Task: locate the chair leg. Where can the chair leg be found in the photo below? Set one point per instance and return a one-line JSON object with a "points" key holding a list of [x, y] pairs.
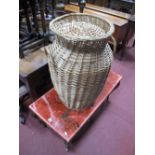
{"points": [[25, 5], [33, 4], [22, 118], [41, 4]]}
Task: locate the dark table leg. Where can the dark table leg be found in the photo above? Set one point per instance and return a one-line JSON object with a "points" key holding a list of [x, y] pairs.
{"points": [[44, 124], [67, 146], [107, 99], [117, 86], [21, 54]]}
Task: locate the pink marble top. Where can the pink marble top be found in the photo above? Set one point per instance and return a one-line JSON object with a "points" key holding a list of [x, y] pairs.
{"points": [[63, 121]]}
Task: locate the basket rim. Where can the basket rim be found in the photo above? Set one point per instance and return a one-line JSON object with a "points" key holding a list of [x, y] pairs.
{"points": [[105, 36]]}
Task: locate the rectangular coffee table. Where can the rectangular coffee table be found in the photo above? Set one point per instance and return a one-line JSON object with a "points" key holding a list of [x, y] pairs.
{"points": [[65, 122]]}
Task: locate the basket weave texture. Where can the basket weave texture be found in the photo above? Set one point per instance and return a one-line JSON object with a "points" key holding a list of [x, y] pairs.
{"points": [[79, 58]]}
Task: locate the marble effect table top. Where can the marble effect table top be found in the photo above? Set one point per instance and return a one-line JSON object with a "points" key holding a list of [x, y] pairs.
{"points": [[66, 122]]}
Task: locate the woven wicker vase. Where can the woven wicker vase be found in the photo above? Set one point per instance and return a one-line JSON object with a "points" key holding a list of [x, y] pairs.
{"points": [[79, 62]]}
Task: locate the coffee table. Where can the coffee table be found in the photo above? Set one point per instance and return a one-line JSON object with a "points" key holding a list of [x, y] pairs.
{"points": [[65, 122]]}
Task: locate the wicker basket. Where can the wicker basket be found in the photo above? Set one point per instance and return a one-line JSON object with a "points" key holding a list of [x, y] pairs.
{"points": [[79, 58]]}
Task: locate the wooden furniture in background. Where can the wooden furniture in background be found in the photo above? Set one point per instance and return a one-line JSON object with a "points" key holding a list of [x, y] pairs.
{"points": [[101, 2], [122, 5], [34, 73], [114, 17], [106, 10], [128, 35], [35, 12]]}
